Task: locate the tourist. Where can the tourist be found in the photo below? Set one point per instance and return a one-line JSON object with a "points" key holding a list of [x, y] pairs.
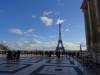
{"points": [[58, 54], [9, 55], [18, 55]]}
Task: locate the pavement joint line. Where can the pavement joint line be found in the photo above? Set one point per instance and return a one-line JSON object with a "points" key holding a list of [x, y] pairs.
{"points": [[16, 70]]}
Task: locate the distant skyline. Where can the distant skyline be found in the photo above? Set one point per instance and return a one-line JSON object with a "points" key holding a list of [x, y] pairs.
{"points": [[32, 24]]}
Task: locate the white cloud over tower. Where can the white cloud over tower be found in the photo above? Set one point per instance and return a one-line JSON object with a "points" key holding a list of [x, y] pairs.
{"points": [[46, 20]]}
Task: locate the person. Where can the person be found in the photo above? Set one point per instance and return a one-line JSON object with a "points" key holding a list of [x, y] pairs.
{"points": [[18, 55], [50, 53], [9, 55], [58, 54], [14, 55]]}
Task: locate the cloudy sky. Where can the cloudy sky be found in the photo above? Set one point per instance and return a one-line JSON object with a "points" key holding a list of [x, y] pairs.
{"points": [[33, 24]]}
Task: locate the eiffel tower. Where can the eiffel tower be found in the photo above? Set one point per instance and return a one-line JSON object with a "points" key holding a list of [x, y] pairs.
{"points": [[60, 48]]}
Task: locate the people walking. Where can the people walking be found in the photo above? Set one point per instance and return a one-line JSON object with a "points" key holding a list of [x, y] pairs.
{"points": [[18, 55], [13, 55]]}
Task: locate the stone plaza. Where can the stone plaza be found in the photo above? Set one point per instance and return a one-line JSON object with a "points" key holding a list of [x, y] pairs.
{"points": [[43, 65]]}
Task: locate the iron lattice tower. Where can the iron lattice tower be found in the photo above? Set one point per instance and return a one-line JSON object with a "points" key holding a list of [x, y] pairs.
{"points": [[60, 47]]}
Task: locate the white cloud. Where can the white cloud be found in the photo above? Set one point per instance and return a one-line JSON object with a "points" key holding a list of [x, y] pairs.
{"points": [[67, 30], [36, 41], [71, 46], [46, 13], [4, 41], [59, 21], [74, 46], [33, 16], [83, 44], [28, 31], [46, 20], [20, 32], [16, 31], [46, 45], [25, 45]]}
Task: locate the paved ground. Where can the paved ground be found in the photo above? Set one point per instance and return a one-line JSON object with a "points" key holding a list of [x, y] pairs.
{"points": [[36, 65]]}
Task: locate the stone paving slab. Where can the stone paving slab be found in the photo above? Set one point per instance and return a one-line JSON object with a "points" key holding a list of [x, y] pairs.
{"points": [[54, 70], [58, 67], [11, 67], [42, 66], [58, 62]]}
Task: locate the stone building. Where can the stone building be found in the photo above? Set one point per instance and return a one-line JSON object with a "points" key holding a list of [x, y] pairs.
{"points": [[91, 10]]}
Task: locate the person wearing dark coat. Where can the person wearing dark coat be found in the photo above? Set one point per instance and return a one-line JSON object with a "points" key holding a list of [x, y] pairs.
{"points": [[17, 55], [9, 55]]}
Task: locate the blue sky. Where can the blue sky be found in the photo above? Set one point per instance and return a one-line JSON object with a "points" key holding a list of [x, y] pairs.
{"points": [[34, 22]]}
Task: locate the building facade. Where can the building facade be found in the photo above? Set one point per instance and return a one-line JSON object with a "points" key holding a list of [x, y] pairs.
{"points": [[91, 10]]}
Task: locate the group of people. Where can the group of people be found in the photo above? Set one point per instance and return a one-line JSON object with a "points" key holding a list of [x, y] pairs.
{"points": [[13, 55], [58, 53]]}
